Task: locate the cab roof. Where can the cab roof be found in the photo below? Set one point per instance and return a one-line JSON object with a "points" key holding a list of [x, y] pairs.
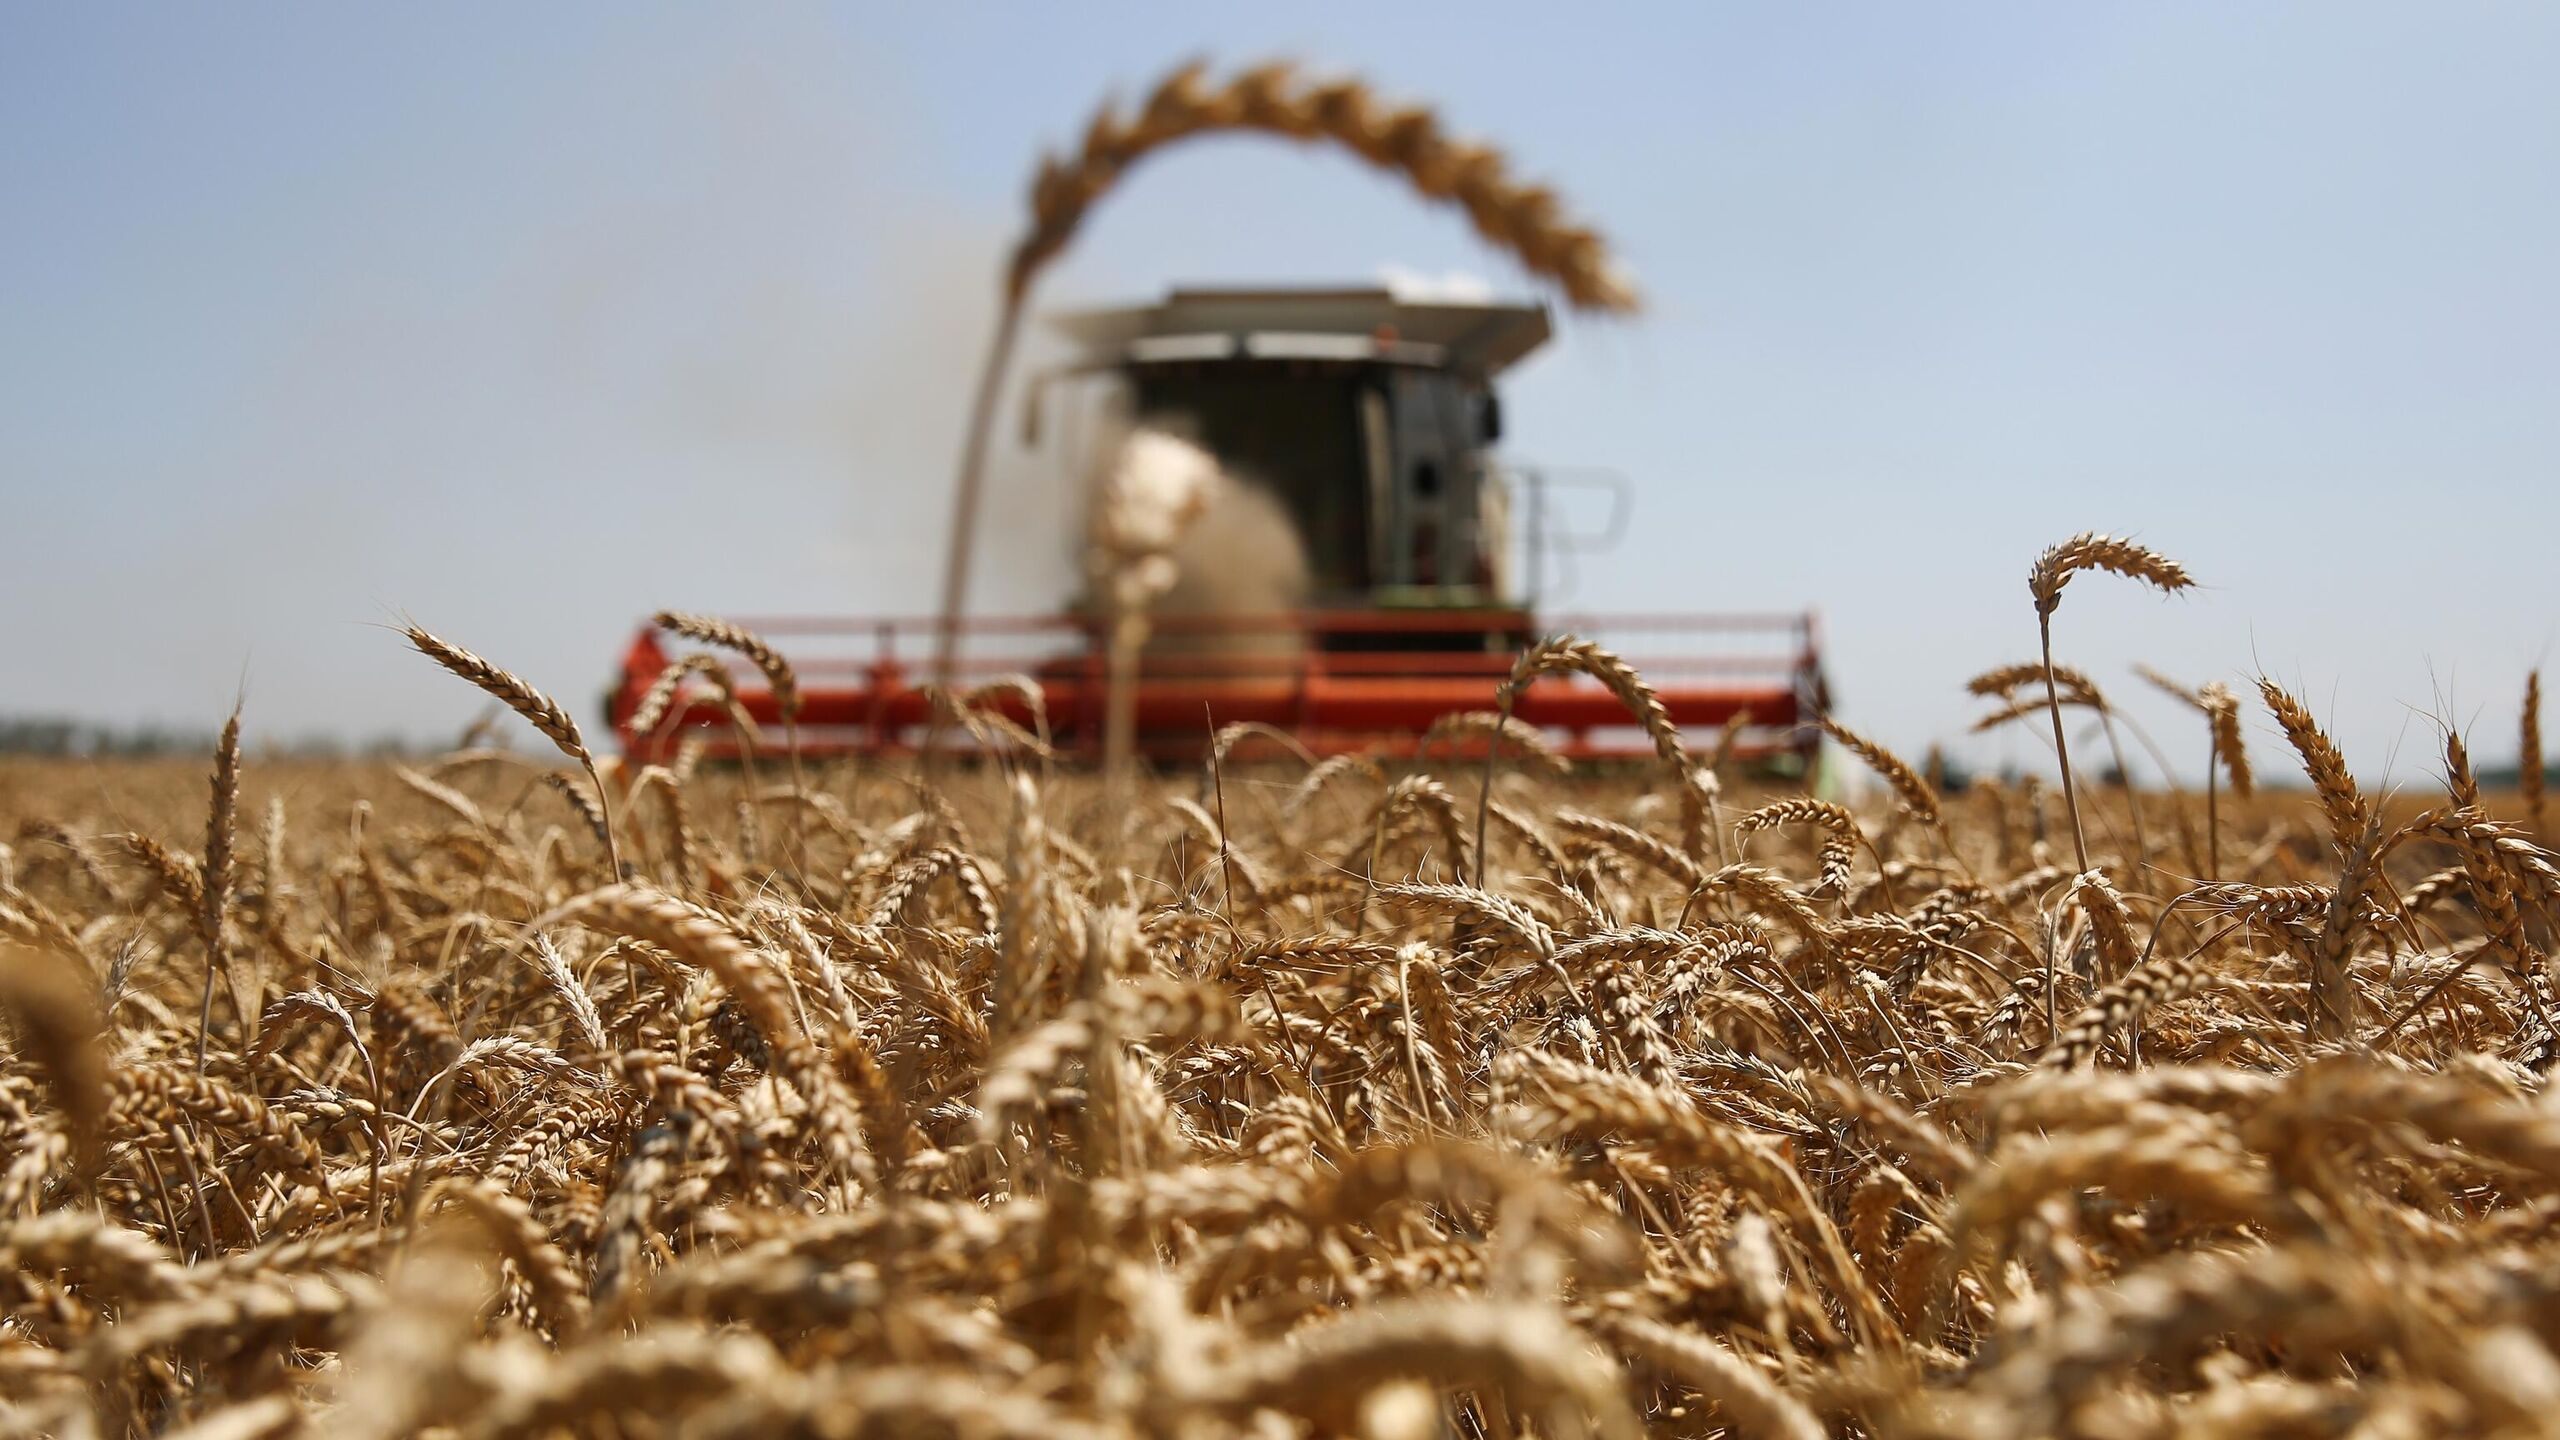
{"points": [[1341, 324]]}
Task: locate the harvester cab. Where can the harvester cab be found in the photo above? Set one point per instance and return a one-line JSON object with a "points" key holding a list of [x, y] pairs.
{"points": [[1368, 417], [1364, 422]]}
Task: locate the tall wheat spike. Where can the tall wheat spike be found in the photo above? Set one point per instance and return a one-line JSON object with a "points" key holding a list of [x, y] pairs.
{"points": [[216, 869], [2529, 773], [2053, 570]]}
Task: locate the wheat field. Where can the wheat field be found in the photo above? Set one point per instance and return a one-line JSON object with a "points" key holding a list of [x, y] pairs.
{"points": [[519, 1094], [1484, 1099]]}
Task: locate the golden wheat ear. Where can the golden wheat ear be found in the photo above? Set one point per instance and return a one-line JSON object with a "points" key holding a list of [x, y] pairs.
{"points": [[2091, 551], [536, 708], [2529, 752], [215, 904], [1273, 99], [55, 1025], [1908, 787], [2340, 799], [728, 636], [778, 675]]}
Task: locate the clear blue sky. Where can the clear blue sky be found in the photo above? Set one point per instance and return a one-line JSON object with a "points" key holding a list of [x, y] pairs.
{"points": [[528, 320]]}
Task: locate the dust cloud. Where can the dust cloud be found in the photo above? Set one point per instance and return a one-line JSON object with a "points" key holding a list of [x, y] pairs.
{"points": [[1237, 557]]}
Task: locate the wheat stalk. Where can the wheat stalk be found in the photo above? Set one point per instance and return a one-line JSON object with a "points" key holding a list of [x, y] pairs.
{"points": [[2053, 570]]}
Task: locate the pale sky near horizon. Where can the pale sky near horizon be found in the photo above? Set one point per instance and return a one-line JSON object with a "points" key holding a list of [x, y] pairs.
{"points": [[526, 321]]}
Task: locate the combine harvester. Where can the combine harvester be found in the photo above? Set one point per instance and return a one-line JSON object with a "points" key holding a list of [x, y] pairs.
{"points": [[1368, 420]]}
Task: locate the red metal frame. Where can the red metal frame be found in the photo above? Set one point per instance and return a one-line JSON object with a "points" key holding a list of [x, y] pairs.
{"points": [[1302, 672]]}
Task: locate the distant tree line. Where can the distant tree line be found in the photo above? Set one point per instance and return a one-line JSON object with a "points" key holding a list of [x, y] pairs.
{"points": [[55, 737]]}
